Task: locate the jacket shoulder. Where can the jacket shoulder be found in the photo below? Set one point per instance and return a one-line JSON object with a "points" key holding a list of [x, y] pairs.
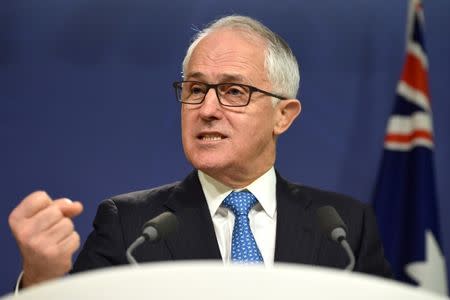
{"points": [[313, 197], [156, 196]]}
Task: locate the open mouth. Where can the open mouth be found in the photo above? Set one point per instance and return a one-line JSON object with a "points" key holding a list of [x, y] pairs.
{"points": [[209, 137]]}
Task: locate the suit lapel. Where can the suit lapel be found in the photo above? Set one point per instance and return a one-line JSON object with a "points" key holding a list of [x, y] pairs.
{"points": [[195, 237], [296, 239]]}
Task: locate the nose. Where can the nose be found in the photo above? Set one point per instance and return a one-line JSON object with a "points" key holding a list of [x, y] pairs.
{"points": [[210, 107]]}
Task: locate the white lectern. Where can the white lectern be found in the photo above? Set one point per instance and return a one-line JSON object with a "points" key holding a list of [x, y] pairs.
{"points": [[212, 281]]}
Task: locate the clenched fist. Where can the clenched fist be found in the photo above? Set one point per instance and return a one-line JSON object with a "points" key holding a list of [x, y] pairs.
{"points": [[45, 234]]}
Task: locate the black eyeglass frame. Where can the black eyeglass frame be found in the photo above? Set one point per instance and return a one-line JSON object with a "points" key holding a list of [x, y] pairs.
{"points": [[177, 86]]}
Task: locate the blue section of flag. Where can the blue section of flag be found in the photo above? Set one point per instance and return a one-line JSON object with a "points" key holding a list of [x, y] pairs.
{"points": [[405, 204], [417, 34], [404, 107]]}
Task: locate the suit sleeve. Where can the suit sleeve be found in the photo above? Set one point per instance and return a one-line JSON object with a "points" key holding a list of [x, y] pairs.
{"points": [[105, 245], [369, 253]]}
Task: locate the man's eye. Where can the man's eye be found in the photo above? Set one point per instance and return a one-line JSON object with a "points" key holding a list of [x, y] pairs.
{"points": [[197, 90], [235, 91]]}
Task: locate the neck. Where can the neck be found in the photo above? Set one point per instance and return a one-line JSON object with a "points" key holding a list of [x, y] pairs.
{"points": [[236, 180]]}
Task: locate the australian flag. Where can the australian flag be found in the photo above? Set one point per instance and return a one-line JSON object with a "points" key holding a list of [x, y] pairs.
{"points": [[405, 196]]}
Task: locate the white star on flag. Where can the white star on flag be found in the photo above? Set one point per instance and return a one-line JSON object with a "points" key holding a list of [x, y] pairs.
{"points": [[431, 273]]}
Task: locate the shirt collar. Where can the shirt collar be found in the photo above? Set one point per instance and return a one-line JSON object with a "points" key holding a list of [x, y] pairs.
{"points": [[264, 189]]}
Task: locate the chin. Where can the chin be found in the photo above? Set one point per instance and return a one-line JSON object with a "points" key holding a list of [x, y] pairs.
{"points": [[209, 165]]}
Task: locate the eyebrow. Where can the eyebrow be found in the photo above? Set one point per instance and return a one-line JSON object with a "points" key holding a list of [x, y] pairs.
{"points": [[237, 78]]}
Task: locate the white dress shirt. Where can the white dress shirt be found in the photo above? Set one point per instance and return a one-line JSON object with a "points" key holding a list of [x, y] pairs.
{"points": [[263, 216]]}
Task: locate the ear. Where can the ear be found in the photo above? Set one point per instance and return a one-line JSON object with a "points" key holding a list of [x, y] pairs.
{"points": [[286, 112]]}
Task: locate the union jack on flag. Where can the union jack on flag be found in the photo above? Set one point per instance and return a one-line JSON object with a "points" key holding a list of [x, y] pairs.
{"points": [[405, 197]]}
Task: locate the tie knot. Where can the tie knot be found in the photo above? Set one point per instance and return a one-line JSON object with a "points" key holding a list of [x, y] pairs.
{"points": [[240, 203]]}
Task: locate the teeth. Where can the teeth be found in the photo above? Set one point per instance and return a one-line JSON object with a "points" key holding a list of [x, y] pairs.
{"points": [[211, 138]]}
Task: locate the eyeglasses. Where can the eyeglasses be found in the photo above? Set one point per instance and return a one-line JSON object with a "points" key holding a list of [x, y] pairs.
{"points": [[229, 94]]}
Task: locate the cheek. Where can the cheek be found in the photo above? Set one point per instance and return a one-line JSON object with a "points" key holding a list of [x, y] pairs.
{"points": [[185, 129], [185, 121], [261, 123], [256, 132]]}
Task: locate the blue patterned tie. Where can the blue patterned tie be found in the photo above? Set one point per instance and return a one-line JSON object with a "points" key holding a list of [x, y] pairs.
{"points": [[243, 244]]}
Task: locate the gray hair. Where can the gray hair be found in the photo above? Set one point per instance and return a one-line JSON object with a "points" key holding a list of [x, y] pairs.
{"points": [[280, 63]]}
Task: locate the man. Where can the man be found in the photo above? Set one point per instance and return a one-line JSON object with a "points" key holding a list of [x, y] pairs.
{"points": [[240, 82]]}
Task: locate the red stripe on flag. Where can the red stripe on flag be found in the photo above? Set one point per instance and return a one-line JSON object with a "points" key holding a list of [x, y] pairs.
{"points": [[415, 75], [407, 138]]}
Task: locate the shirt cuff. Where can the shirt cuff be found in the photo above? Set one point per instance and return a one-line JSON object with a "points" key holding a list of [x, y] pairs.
{"points": [[19, 280]]}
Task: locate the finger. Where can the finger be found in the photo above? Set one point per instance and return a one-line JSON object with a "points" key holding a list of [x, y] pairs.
{"points": [[42, 221], [31, 205], [46, 218], [68, 208], [70, 244], [59, 231]]}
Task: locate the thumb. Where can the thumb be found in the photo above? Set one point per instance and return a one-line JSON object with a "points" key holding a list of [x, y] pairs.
{"points": [[68, 208]]}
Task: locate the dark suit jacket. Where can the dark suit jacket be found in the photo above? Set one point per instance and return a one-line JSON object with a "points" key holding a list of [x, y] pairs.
{"points": [[119, 222]]}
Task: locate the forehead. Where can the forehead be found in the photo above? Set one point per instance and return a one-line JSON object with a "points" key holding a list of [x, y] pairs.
{"points": [[228, 53]]}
